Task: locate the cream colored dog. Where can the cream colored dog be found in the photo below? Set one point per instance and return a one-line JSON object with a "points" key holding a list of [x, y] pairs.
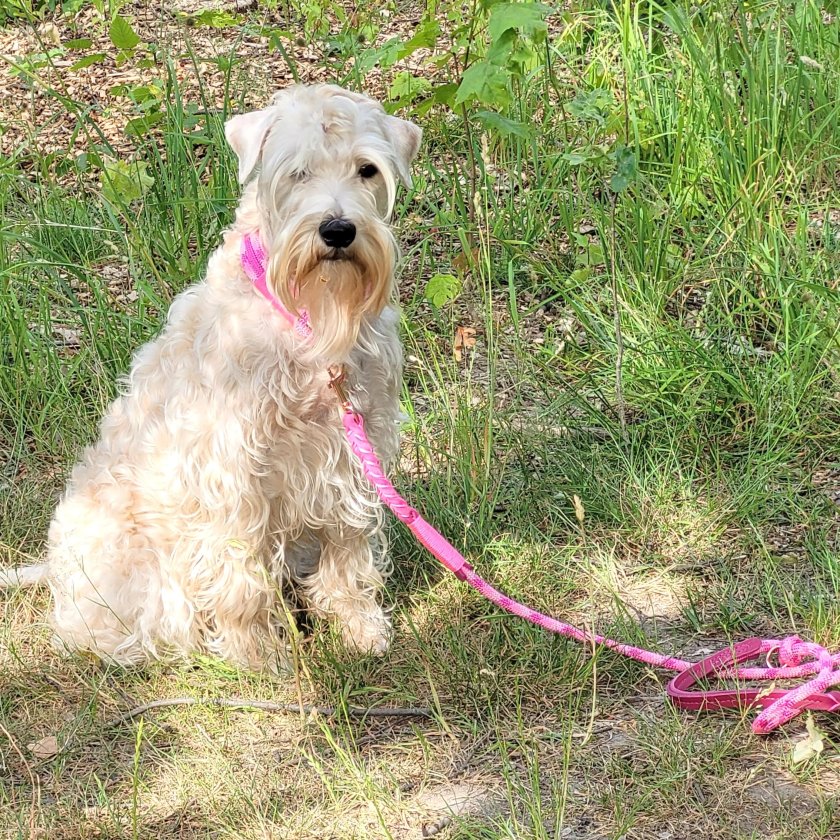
{"points": [[221, 474]]}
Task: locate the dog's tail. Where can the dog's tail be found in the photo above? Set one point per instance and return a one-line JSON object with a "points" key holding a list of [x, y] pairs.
{"points": [[23, 576]]}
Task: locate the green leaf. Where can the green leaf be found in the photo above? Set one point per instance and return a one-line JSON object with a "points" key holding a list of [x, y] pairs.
{"points": [[225, 63], [215, 18], [94, 159], [28, 65], [523, 56], [441, 95], [144, 94], [442, 289], [123, 37], [70, 8], [502, 125], [141, 125], [500, 50], [124, 182], [525, 18], [445, 94], [575, 158], [425, 37], [592, 104], [407, 86], [592, 252], [626, 168], [78, 43], [485, 83], [384, 56], [93, 58]]}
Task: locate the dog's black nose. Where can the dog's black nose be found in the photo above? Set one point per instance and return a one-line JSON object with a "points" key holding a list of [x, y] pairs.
{"points": [[337, 233]]}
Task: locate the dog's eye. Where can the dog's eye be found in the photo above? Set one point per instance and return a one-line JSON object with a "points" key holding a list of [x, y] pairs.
{"points": [[368, 170], [302, 175]]}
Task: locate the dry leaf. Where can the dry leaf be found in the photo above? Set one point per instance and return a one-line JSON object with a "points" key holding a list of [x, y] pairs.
{"points": [[464, 340], [811, 744], [45, 748], [464, 261], [580, 512], [67, 337], [50, 33]]}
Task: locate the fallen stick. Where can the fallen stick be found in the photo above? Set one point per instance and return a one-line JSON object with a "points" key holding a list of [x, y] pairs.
{"points": [[268, 706]]}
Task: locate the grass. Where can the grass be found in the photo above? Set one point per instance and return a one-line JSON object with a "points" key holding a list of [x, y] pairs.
{"points": [[681, 505]]}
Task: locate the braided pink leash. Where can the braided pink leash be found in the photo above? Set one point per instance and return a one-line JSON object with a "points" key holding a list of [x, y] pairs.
{"points": [[796, 658]]}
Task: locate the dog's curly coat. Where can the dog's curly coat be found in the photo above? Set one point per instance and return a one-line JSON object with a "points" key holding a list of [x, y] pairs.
{"points": [[221, 473]]}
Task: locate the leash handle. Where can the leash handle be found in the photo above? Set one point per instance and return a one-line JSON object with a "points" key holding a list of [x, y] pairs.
{"points": [[779, 706]]}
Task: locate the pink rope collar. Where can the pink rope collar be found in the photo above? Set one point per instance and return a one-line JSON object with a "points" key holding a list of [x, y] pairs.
{"points": [[796, 658]]}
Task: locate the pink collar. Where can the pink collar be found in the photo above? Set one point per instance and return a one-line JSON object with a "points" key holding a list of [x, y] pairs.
{"points": [[254, 264]]}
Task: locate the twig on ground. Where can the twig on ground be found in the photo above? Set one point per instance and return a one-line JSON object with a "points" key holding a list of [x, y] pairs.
{"points": [[268, 706]]}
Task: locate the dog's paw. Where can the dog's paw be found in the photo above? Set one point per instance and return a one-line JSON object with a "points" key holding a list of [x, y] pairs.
{"points": [[369, 634]]}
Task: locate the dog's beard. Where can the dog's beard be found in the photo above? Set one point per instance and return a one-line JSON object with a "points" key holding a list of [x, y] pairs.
{"points": [[336, 288]]}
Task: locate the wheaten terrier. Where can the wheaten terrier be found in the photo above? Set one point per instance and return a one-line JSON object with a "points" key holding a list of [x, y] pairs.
{"points": [[221, 475]]}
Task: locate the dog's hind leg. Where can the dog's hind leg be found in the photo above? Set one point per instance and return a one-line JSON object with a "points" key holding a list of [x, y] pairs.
{"points": [[102, 614], [104, 576]]}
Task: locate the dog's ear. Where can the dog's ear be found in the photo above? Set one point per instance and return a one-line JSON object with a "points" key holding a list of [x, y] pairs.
{"points": [[405, 138], [246, 133]]}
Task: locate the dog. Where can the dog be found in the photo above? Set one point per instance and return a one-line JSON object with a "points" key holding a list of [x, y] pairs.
{"points": [[221, 479]]}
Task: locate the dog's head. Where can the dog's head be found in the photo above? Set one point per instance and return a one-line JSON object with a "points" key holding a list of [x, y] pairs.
{"points": [[327, 162]]}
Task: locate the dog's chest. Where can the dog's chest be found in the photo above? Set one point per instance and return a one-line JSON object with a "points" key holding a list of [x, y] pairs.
{"points": [[307, 450]]}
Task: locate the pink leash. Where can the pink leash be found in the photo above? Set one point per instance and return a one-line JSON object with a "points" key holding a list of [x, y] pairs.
{"points": [[797, 659]]}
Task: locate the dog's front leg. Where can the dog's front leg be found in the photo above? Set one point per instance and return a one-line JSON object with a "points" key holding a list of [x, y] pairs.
{"points": [[345, 587]]}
